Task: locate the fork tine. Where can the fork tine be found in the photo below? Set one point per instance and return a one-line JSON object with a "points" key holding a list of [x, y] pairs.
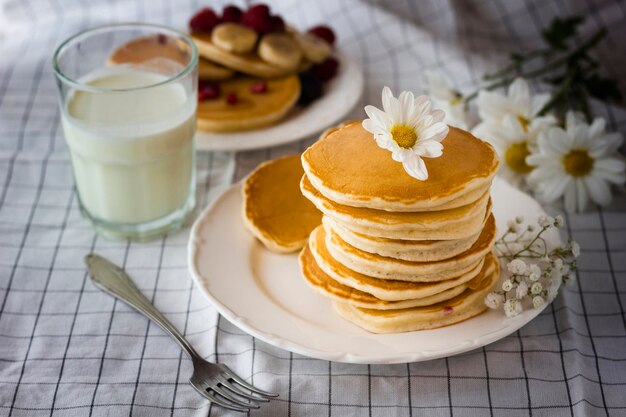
{"points": [[231, 375], [217, 401], [240, 392], [225, 394]]}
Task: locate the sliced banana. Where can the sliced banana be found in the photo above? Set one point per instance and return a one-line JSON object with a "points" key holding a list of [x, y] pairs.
{"points": [[281, 50], [211, 71], [314, 49], [235, 38]]}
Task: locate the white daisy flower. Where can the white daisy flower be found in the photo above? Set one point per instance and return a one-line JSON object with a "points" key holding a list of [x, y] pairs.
{"points": [[409, 128], [518, 102], [513, 143], [444, 97], [577, 163]]}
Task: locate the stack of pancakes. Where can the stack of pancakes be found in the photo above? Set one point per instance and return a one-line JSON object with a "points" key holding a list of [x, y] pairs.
{"points": [[395, 253]]}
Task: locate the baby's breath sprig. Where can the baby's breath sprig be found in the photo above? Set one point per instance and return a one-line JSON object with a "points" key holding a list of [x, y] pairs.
{"points": [[534, 271]]}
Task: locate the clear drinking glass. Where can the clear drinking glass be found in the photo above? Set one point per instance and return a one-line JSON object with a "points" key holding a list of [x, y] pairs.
{"points": [[128, 96]]}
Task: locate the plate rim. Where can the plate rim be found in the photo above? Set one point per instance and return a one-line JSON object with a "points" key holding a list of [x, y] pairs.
{"points": [[247, 147], [512, 324]]}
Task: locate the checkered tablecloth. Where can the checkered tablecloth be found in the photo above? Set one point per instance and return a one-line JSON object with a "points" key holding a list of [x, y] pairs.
{"points": [[66, 349]]}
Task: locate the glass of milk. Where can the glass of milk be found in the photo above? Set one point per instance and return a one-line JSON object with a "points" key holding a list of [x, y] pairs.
{"points": [[128, 97]]}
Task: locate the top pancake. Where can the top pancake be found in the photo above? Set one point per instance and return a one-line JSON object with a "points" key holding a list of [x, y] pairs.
{"points": [[348, 167]]}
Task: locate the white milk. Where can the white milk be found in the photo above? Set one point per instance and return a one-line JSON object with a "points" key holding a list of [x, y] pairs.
{"points": [[132, 152]]}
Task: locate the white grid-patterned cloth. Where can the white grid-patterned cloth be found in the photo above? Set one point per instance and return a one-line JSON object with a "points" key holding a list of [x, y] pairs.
{"points": [[67, 349]]}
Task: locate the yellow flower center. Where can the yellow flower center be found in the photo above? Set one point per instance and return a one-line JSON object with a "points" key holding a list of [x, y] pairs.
{"points": [[524, 122], [404, 136], [578, 163], [515, 158]]}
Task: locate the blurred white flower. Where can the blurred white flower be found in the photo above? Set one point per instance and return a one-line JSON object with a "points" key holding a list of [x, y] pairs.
{"points": [[507, 285], [518, 102], [521, 291], [536, 288], [512, 226], [409, 128], [558, 221], [534, 272], [493, 300], [577, 163], [545, 221], [575, 248], [517, 266], [512, 307], [538, 301], [444, 97], [553, 290]]}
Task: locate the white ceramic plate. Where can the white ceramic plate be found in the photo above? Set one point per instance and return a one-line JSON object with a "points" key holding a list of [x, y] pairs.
{"points": [[340, 96], [263, 293]]}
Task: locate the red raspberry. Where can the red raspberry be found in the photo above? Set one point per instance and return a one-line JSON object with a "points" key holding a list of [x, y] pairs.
{"points": [[324, 32], [208, 90], [203, 21], [258, 88], [258, 18], [278, 24], [231, 14], [232, 98], [326, 70]]}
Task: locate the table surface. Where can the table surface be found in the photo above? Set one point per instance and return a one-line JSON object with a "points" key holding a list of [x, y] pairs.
{"points": [[66, 349]]}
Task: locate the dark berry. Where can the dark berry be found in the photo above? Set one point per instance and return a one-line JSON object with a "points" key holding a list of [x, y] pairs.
{"points": [[258, 88], [324, 32], [232, 98], [310, 88], [278, 24], [258, 19], [326, 70], [161, 39], [204, 21], [231, 14], [208, 90]]}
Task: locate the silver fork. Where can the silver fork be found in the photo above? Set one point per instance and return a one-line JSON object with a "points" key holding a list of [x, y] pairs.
{"points": [[215, 382]]}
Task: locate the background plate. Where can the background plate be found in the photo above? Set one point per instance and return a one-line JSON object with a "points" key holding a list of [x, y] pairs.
{"points": [[340, 96], [263, 293]]}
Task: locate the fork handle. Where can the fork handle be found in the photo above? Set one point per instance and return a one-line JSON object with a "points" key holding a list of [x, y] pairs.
{"points": [[113, 280]]}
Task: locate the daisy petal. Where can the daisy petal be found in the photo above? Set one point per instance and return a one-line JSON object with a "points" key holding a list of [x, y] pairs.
{"points": [[598, 189], [415, 167]]}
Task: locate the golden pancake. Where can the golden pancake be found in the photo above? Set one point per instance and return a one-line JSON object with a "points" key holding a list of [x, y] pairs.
{"points": [[408, 250], [383, 289], [388, 220], [328, 287], [349, 168], [156, 50], [249, 63], [461, 229], [208, 70], [462, 307], [252, 110], [274, 210], [389, 268]]}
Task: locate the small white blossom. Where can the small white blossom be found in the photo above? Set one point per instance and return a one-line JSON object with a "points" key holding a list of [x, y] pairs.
{"points": [[558, 221], [575, 249], [513, 226], [535, 272], [521, 291], [519, 219], [553, 290], [517, 266], [538, 301], [545, 221], [536, 288], [558, 264], [512, 307], [530, 228], [493, 300], [507, 285]]}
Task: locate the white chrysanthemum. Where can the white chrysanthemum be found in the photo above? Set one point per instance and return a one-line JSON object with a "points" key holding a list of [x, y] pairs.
{"points": [[512, 307], [447, 99], [521, 291], [577, 163], [517, 266], [518, 102], [409, 128], [493, 300], [538, 301]]}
